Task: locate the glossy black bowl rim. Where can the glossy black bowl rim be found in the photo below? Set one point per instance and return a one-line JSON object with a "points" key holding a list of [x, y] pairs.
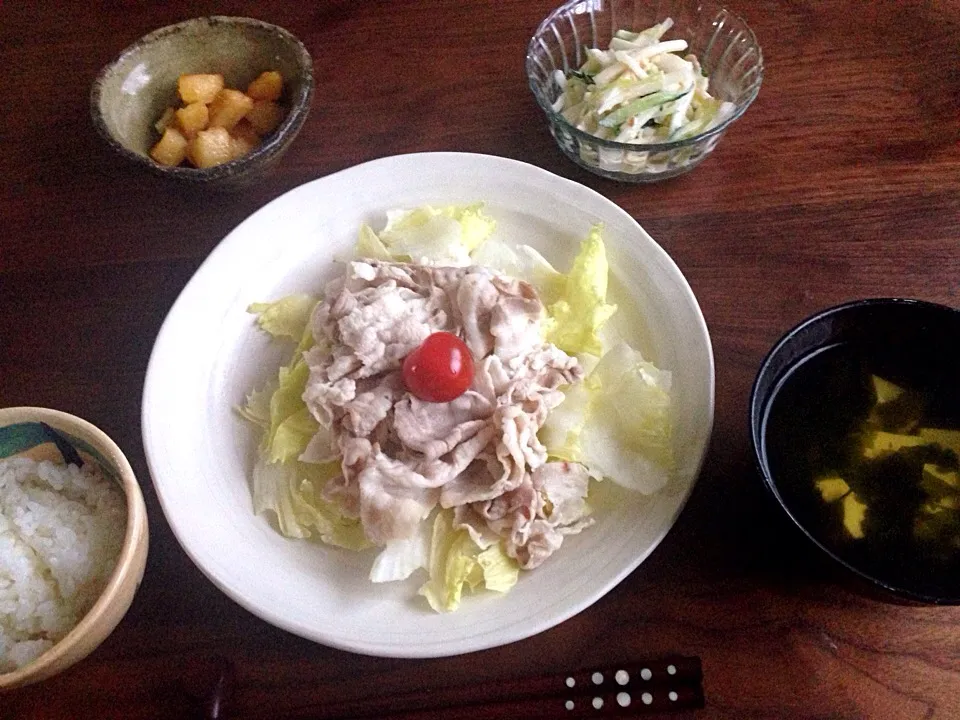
{"points": [[756, 437]]}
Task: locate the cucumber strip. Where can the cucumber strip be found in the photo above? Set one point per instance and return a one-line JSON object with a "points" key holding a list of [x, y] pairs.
{"points": [[688, 130], [624, 112]]}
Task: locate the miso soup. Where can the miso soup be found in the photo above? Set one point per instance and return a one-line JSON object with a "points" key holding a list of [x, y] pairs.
{"points": [[864, 443]]}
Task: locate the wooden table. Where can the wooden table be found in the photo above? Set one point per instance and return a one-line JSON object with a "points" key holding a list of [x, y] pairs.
{"points": [[842, 181]]}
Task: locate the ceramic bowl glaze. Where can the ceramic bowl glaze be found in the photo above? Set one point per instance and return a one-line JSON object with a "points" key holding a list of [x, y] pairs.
{"points": [[131, 93]]}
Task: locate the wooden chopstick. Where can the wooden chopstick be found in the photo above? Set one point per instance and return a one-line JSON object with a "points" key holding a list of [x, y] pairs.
{"points": [[656, 685]]}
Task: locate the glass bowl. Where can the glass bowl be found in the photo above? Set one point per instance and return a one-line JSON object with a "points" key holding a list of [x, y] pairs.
{"points": [[723, 43]]}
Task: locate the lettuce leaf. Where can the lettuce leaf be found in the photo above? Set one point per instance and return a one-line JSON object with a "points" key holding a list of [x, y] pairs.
{"points": [[619, 423], [257, 407], [452, 558], [292, 435], [369, 245], [443, 235], [457, 561], [399, 559], [283, 485], [291, 424], [573, 321], [287, 317], [522, 262], [476, 225], [500, 571], [561, 431], [279, 408], [292, 492]]}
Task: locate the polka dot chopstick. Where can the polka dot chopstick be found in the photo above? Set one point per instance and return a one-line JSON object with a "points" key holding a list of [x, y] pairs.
{"points": [[656, 686]]}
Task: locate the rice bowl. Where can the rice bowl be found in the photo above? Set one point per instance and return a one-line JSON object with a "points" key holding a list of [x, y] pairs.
{"points": [[61, 531], [68, 549]]}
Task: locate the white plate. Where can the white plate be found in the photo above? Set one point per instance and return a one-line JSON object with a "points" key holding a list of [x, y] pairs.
{"points": [[208, 355]]}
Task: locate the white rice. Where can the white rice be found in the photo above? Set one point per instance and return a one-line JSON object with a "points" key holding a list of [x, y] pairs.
{"points": [[61, 531]]}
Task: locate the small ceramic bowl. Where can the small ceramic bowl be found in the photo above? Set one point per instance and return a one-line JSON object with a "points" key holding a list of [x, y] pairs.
{"points": [[827, 432], [44, 434], [725, 46], [131, 93]]}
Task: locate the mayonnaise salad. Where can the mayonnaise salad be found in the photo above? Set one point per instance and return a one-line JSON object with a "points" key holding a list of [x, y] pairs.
{"points": [[642, 89], [449, 400]]}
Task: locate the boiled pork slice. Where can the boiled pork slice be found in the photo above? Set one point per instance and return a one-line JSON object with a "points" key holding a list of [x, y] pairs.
{"points": [[401, 457]]}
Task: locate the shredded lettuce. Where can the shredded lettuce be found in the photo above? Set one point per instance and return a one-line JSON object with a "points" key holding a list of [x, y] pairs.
{"points": [[457, 561], [574, 320], [618, 423]]}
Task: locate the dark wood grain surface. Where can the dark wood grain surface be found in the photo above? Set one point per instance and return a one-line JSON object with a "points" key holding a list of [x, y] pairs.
{"points": [[842, 181]]}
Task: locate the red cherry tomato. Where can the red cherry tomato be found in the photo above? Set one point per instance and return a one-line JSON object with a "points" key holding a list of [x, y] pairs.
{"points": [[440, 370]]}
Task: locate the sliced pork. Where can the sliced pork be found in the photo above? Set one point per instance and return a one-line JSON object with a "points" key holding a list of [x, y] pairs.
{"points": [[401, 456]]}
